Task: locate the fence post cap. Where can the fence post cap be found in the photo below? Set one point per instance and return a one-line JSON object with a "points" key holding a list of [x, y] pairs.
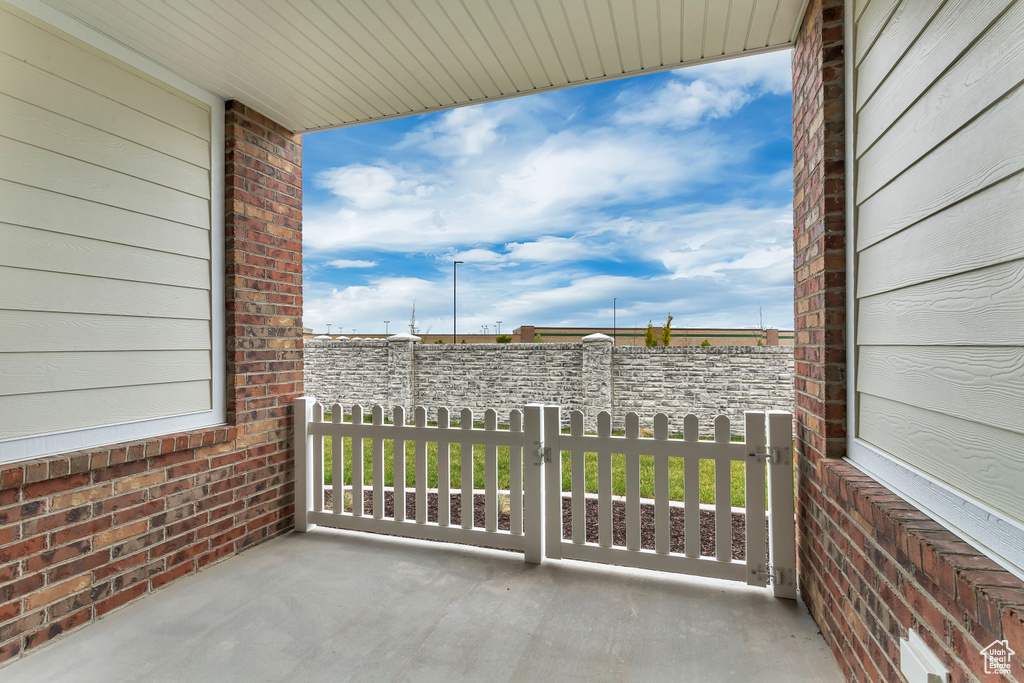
{"points": [[597, 337], [411, 338]]}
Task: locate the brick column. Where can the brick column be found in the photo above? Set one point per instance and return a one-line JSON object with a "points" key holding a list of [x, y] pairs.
{"points": [[263, 229], [819, 232], [597, 377], [526, 334], [401, 372]]}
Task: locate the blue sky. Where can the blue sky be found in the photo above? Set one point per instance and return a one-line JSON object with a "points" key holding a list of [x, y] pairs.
{"points": [[670, 191]]}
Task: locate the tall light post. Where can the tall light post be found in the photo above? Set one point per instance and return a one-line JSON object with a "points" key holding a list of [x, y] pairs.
{"points": [[455, 299], [499, 328], [386, 322], [614, 322], [328, 329]]}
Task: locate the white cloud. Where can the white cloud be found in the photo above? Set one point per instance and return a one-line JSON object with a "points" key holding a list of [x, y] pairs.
{"points": [[708, 91], [373, 187], [351, 263], [524, 193]]}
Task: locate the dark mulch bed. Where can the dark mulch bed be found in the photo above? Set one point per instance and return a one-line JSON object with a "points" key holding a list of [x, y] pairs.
{"points": [[676, 520]]}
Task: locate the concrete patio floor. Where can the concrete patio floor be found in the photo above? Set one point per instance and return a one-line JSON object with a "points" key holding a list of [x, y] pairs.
{"points": [[336, 606]]}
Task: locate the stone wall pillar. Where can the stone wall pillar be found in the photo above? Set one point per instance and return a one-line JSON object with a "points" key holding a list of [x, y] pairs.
{"points": [[597, 377], [401, 372]]}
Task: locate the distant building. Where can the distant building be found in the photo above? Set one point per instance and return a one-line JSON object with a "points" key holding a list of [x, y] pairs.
{"points": [[683, 336]]}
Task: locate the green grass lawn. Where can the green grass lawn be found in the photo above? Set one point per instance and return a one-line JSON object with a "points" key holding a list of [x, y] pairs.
{"points": [[707, 471]]}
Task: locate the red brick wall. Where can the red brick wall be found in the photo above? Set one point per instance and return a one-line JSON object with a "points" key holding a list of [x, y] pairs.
{"points": [[871, 566], [84, 533]]}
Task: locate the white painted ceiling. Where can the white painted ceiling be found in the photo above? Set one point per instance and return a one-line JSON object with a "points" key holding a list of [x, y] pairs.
{"points": [[315, 64]]}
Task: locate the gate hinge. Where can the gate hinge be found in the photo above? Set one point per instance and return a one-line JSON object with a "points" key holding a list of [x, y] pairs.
{"points": [[543, 455], [775, 456]]}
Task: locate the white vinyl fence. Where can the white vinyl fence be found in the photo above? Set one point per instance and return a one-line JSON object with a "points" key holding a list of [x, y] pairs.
{"points": [[535, 443]]}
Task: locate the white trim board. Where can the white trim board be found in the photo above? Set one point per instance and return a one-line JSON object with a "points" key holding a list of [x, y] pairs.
{"points": [[999, 538]]}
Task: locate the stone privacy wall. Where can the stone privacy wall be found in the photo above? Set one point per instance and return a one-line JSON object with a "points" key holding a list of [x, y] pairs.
{"points": [[871, 566], [84, 533], [585, 376], [709, 381]]}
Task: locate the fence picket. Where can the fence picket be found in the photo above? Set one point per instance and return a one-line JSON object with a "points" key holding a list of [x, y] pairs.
{"points": [[490, 474], [466, 458], [337, 465], [398, 457], [604, 482], [723, 496], [662, 528], [754, 437], [515, 475], [444, 471], [421, 467], [632, 483], [533, 483], [303, 470], [553, 482], [357, 464], [377, 446], [691, 490], [782, 524], [318, 462], [579, 482]]}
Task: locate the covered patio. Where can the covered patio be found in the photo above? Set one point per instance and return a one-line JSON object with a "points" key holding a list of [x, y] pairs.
{"points": [[336, 605]]}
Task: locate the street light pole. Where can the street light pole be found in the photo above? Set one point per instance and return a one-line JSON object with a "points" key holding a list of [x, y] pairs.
{"points": [[499, 328], [455, 294], [328, 329], [614, 322], [386, 327]]}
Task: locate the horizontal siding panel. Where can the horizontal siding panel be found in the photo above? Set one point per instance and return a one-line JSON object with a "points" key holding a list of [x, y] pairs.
{"points": [[34, 373], [56, 133], [86, 66], [989, 70], [58, 173], [899, 33], [983, 462], [872, 22], [66, 410], [57, 252], [34, 290], [984, 152], [983, 230], [983, 307], [42, 331], [44, 90], [983, 385], [953, 29], [38, 208]]}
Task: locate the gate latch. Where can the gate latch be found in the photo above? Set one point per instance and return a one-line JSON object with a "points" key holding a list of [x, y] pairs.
{"points": [[773, 573], [543, 455], [775, 456]]}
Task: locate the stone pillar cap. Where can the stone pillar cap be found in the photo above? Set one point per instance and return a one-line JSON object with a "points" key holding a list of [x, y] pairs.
{"points": [[403, 338], [597, 337]]}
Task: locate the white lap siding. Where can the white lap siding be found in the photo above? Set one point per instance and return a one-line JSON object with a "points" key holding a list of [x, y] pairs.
{"points": [[106, 314], [939, 243]]}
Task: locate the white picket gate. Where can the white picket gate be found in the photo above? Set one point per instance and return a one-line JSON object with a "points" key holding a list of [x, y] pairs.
{"points": [[535, 442]]}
